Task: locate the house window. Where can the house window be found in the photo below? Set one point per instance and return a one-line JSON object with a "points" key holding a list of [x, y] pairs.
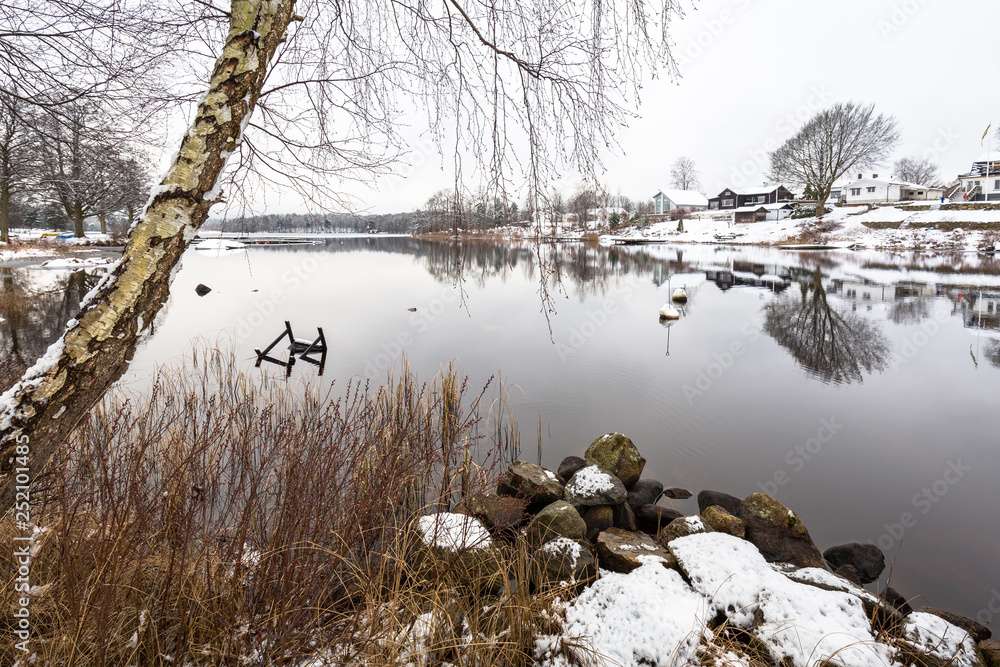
{"points": [[855, 192], [996, 185], [727, 202], [871, 189]]}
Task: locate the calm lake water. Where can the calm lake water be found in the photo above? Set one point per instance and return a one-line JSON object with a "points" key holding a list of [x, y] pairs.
{"points": [[858, 388]]}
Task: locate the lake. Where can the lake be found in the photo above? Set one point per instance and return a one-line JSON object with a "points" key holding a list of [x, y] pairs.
{"points": [[859, 388]]}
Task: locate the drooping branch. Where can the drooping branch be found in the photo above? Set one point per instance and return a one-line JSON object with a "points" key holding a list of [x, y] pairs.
{"points": [[54, 395]]}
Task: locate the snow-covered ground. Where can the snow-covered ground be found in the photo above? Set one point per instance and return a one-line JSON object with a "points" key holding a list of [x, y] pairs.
{"points": [[806, 618], [846, 223]]}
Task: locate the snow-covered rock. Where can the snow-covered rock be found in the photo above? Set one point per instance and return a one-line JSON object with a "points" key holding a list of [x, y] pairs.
{"points": [[593, 485], [454, 532], [647, 617]]}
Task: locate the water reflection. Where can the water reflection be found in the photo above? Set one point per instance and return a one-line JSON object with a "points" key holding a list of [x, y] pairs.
{"points": [[833, 345], [35, 306]]}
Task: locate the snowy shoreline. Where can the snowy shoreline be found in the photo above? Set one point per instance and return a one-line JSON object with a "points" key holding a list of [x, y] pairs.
{"points": [[920, 227], [741, 584]]}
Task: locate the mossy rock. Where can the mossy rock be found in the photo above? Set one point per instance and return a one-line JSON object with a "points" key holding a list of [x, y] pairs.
{"points": [[617, 454], [778, 532], [558, 519], [531, 482], [621, 550], [724, 522], [682, 527]]}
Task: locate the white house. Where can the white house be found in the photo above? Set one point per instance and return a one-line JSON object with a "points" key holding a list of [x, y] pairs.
{"points": [[665, 201], [982, 183], [879, 191]]}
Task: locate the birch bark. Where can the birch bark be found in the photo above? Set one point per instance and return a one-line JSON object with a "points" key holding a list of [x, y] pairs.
{"points": [[55, 394]]}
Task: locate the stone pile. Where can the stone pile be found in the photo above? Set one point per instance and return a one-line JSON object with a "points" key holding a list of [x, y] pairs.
{"points": [[597, 513]]}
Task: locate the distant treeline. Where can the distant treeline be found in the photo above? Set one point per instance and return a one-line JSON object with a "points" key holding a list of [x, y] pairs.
{"points": [[330, 223]]}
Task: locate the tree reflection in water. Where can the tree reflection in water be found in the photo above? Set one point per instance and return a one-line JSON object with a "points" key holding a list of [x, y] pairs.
{"points": [[992, 353], [834, 346], [35, 306]]}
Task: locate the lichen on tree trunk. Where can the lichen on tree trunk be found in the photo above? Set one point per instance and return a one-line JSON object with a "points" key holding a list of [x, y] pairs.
{"points": [[50, 400]]}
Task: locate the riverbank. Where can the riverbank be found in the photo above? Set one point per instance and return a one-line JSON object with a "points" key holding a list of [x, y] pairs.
{"points": [[922, 226], [740, 584]]}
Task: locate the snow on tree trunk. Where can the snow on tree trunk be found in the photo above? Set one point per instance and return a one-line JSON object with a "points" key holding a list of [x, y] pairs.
{"points": [[39, 412]]}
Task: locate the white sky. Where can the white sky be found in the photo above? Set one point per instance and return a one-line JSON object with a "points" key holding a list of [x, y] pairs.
{"points": [[753, 70]]}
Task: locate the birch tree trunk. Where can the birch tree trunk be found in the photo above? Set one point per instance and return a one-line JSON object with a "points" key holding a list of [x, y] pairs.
{"points": [[40, 411]]}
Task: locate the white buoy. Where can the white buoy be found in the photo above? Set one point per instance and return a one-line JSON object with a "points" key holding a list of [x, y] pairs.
{"points": [[668, 312], [679, 295]]}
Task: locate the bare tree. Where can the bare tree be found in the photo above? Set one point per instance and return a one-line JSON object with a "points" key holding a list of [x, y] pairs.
{"points": [[833, 142], [834, 346], [15, 156], [563, 72], [684, 174], [78, 153], [922, 171]]}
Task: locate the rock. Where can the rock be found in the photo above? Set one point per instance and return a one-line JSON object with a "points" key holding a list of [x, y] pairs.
{"points": [[977, 630], [676, 493], [594, 485], [619, 550], [533, 483], [651, 518], [892, 597], [929, 641], [679, 295], [682, 527], [570, 465], [777, 532], [598, 518], [644, 492], [619, 456], [723, 522], [727, 502], [624, 518], [563, 559], [881, 615], [867, 559], [202, 290], [850, 573], [449, 531], [500, 514], [990, 648], [560, 519]]}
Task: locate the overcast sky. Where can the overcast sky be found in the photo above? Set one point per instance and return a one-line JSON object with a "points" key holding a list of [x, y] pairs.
{"points": [[754, 70]]}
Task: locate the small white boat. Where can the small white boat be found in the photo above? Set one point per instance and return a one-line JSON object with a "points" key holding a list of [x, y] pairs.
{"points": [[668, 312]]}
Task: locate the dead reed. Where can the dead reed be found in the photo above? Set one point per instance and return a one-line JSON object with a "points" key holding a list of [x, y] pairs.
{"points": [[228, 519]]}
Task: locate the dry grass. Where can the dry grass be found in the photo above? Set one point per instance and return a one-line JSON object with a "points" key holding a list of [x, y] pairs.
{"points": [[225, 520], [53, 246]]}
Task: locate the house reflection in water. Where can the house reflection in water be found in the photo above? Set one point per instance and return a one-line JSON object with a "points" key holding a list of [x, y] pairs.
{"points": [[982, 310], [725, 279]]}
